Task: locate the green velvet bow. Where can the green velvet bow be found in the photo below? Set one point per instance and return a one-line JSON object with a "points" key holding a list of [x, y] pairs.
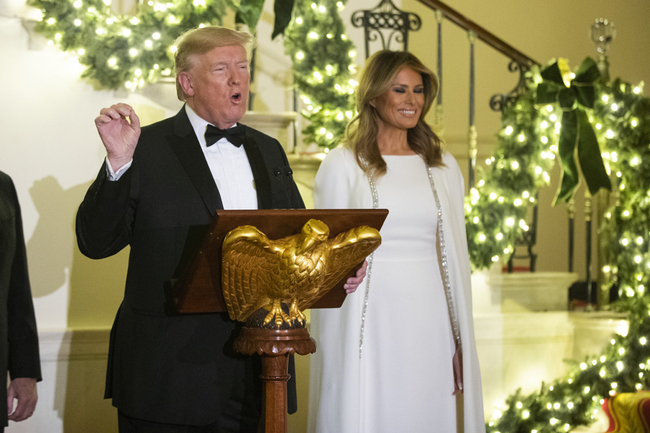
{"points": [[575, 96]]}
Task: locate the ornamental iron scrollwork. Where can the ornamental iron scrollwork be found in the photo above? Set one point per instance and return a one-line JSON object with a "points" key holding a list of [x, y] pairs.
{"points": [[528, 239], [502, 100], [387, 23]]}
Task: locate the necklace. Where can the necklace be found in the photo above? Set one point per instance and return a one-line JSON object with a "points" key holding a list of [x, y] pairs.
{"points": [[443, 259]]}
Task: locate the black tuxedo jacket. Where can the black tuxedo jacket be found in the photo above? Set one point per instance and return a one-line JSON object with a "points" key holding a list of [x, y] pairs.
{"points": [[18, 335], [177, 369]]}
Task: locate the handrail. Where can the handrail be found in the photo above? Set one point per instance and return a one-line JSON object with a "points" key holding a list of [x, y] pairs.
{"points": [[484, 35], [519, 62]]}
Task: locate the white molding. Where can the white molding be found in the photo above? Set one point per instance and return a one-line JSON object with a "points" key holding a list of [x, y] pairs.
{"points": [[533, 291], [73, 345]]}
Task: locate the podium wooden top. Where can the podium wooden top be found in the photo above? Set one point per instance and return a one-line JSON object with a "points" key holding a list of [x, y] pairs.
{"points": [[199, 288]]}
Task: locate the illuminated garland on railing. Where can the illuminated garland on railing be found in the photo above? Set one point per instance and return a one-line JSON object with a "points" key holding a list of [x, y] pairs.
{"points": [[496, 212], [496, 209], [119, 50]]}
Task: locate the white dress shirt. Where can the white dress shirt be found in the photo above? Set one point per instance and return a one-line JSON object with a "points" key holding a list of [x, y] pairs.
{"points": [[229, 166]]}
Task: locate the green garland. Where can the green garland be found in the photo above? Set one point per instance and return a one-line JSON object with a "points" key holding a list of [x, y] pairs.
{"points": [[575, 399], [119, 50], [496, 209], [495, 216], [323, 69]]}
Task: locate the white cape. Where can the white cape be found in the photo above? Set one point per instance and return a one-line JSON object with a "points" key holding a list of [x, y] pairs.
{"points": [[340, 183]]}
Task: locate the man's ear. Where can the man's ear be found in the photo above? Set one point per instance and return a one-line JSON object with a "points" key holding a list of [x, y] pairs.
{"points": [[185, 80]]}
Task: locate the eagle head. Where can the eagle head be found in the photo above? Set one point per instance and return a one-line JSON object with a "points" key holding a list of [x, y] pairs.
{"points": [[314, 232]]}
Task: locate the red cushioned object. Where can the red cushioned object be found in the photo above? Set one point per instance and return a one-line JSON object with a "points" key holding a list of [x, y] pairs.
{"points": [[612, 423], [628, 412], [644, 413]]}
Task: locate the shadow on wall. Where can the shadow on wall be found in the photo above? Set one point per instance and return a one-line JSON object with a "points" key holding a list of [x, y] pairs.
{"points": [[95, 292]]}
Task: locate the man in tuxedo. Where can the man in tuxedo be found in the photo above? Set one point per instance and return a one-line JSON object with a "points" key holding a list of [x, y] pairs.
{"points": [[18, 336], [157, 192]]}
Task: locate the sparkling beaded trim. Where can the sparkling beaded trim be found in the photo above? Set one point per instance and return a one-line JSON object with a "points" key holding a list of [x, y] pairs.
{"points": [[445, 269], [443, 258], [375, 205]]}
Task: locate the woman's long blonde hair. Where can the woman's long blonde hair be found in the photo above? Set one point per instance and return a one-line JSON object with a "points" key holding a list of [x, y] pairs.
{"points": [[361, 133]]}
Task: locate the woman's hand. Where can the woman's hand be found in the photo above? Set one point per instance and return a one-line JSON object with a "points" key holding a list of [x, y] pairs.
{"points": [[352, 284]]}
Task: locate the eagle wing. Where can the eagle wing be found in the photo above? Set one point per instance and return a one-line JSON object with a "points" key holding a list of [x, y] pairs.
{"points": [[347, 249], [248, 261]]}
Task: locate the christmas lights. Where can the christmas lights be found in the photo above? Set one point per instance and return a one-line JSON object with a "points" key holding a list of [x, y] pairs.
{"points": [[517, 170], [124, 51], [325, 75]]}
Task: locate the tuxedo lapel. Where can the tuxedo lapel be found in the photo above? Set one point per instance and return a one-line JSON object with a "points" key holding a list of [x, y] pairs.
{"points": [[188, 150], [260, 173]]}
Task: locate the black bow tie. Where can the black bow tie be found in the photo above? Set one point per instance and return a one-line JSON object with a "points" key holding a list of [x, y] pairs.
{"points": [[234, 135]]}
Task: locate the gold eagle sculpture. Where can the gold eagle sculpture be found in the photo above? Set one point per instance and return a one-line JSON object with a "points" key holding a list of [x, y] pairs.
{"points": [[296, 270]]}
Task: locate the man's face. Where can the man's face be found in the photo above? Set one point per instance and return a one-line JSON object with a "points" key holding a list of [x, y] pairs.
{"points": [[216, 85]]}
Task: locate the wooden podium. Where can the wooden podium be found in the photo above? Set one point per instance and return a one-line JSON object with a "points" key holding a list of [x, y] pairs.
{"points": [[198, 290]]}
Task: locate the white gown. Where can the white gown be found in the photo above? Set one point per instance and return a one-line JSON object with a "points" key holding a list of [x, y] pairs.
{"points": [[403, 380]]}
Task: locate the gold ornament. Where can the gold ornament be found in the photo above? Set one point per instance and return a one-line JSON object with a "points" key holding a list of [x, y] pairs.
{"points": [[296, 270]]}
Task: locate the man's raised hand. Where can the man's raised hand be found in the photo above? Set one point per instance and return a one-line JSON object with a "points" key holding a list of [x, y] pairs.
{"points": [[119, 129]]}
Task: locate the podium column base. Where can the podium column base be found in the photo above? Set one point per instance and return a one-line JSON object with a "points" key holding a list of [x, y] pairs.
{"points": [[274, 346]]}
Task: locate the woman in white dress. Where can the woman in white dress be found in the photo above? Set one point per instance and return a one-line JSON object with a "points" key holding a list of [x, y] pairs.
{"points": [[400, 355]]}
